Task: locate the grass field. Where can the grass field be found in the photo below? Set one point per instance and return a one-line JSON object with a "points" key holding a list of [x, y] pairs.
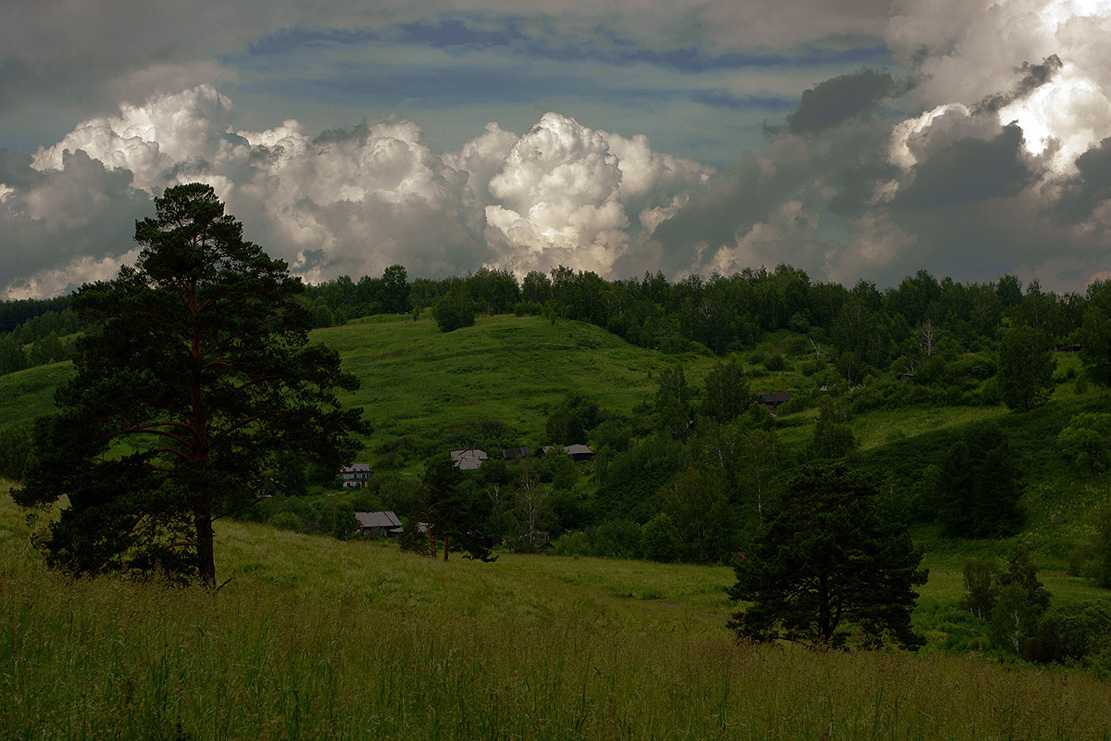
{"points": [[418, 380], [316, 638]]}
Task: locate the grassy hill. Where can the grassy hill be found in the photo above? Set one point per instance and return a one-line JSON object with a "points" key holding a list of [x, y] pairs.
{"points": [[425, 391], [441, 387], [316, 638], [27, 394]]}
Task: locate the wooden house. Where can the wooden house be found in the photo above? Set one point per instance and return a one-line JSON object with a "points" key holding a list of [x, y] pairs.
{"points": [[354, 476], [378, 524]]}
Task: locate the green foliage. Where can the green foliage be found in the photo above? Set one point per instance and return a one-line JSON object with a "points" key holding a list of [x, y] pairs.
{"points": [[457, 512], [287, 521], [673, 402], [197, 375], [825, 561], [1014, 620], [698, 504], [15, 451], [725, 394], [1076, 633], [981, 588], [572, 419], [1087, 440], [775, 363], [1019, 604], [660, 539], [977, 489], [832, 438], [454, 310], [1095, 335], [1101, 552], [1025, 368]]}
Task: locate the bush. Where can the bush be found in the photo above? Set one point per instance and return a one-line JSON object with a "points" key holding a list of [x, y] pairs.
{"points": [[453, 310], [287, 521], [15, 451], [660, 539]]}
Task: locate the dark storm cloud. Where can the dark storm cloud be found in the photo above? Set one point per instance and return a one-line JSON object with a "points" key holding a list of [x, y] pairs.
{"points": [[1090, 187], [969, 170], [856, 185], [82, 211], [15, 169], [1034, 76], [839, 99]]}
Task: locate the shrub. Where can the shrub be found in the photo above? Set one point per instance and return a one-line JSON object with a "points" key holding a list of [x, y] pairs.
{"points": [[287, 521], [775, 363], [660, 539], [453, 310]]}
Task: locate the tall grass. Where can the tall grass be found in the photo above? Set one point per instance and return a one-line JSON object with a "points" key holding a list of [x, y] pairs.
{"points": [[313, 638]]}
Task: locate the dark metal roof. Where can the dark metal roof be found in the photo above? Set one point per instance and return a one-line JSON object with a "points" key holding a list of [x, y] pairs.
{"points": [[377, 519]]}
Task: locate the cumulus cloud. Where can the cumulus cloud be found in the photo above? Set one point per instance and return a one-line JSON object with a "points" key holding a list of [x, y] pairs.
{"points": [[349, 201], [840, 99], [989, 155]]}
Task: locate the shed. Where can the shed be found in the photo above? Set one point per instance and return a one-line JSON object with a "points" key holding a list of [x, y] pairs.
{"points": [[773, 400], [579, 452]]}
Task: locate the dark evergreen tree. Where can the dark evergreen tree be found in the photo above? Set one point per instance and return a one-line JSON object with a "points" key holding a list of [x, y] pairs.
{"points": [[1095, 335], [832, 437], [1025, 368], [977, 490], [825, 561], [197, 375], [455, 512]]}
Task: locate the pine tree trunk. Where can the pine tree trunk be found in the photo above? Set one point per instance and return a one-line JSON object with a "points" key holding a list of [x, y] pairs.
{"points": [[202, 521], [825, 618]]}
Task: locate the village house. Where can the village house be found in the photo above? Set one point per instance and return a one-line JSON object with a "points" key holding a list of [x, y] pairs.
{"points": [[378, 524], [577, 452], [468, 460], [354, 476]]}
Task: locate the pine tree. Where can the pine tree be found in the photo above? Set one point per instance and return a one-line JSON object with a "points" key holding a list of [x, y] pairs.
{"points": [[194, 381], [825, 561]]}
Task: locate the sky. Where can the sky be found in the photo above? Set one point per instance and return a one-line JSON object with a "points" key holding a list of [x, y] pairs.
{"points": [[855, 139]]}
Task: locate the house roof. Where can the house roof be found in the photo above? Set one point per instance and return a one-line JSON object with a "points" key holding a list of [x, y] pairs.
{"points": [[578, 449], [469, 463], [469, 453], [779, 397], [377, 519], [509, 453], [356, 468]]}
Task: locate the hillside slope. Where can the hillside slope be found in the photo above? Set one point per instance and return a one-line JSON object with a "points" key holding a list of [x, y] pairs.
{"points": [[435, 386], [316, 638], [425, 391]]}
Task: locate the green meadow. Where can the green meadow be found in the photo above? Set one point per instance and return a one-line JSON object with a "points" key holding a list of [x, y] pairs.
{"points": [[311, 637], [316, 638]]}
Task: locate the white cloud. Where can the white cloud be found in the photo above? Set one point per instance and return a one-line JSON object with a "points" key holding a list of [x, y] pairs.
{"points": [[567, 194], [353, 202]]}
